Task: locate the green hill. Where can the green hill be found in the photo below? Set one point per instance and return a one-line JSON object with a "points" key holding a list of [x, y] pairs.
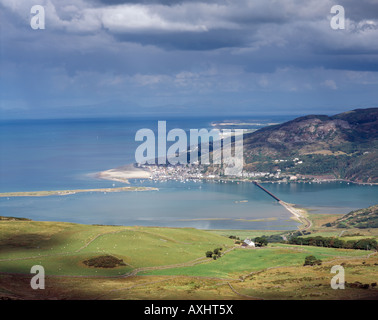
{"points": [[361, 219]]}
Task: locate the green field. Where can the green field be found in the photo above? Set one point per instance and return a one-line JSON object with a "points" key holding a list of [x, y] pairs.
{"points": [[61, 247], [243, 261]]}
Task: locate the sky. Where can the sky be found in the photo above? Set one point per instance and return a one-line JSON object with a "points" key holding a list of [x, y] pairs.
{"points": [[106, 58]]}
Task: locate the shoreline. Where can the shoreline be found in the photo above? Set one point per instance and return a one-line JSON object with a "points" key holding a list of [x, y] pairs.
{"points": [[320, 181], [299, 214]]}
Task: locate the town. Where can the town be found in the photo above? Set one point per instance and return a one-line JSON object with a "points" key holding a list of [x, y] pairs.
{"points": [[197, 172]]}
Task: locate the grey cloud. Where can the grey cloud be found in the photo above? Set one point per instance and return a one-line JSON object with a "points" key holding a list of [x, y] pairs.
{"points": [[147, 2], [262, 53], [188, 40], [360, 10]]}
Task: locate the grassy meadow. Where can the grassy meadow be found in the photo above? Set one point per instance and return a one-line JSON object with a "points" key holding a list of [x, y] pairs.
{"points": [[170, 263]]}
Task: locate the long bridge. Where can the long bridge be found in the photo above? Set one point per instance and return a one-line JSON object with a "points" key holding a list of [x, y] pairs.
{"points": [[307, 224], [271, 194]]}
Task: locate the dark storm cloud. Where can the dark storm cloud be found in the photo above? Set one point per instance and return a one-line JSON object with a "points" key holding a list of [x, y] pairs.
{"points": [[204, 55], [188, 40]]}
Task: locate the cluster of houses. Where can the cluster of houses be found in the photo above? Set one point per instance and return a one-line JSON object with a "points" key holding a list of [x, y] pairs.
{"points": [[252, 174], [197, 172], [296, 161]]}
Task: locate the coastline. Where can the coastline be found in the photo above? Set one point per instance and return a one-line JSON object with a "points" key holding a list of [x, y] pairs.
{"points": [[322, 180], [299, 214]]}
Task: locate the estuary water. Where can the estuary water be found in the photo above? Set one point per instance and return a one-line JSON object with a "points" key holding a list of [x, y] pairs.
{"points": [[40, 155]]}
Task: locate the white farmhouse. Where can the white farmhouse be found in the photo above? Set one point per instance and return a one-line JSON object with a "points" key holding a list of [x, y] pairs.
{"points": [[248, 243]]}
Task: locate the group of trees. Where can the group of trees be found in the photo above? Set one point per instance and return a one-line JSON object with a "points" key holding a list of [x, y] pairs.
{"points": [[362, 244], [215, 254], [237, 239], [261, 241], [273, 238]]}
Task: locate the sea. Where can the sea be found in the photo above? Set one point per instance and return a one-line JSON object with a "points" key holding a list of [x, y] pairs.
{"points": [[65, 154]]}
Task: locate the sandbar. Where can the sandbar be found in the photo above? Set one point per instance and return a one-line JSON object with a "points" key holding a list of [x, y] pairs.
{"points": [[69, 192], [124, 173]]}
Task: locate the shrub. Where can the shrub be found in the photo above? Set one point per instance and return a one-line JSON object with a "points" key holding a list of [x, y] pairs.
{"points": [[312, 261], [104, 262], [209, 254]]}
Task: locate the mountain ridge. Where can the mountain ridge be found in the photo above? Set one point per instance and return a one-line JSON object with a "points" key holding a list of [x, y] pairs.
{"points": [[344, 145]]}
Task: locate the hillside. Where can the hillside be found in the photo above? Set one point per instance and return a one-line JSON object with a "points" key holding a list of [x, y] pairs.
{"points": [[361, 219], [343, 146], [94, 262]]}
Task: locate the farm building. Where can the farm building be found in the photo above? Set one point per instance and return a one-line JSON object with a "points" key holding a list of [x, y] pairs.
{"points": [[248, 243]]}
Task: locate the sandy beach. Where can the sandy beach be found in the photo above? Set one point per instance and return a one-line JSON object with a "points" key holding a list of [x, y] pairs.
{"points": [[124, 173]]}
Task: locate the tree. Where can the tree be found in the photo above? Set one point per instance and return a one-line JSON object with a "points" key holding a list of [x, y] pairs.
{"points": [[261, 241], [365, 244], [209, 254]]}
